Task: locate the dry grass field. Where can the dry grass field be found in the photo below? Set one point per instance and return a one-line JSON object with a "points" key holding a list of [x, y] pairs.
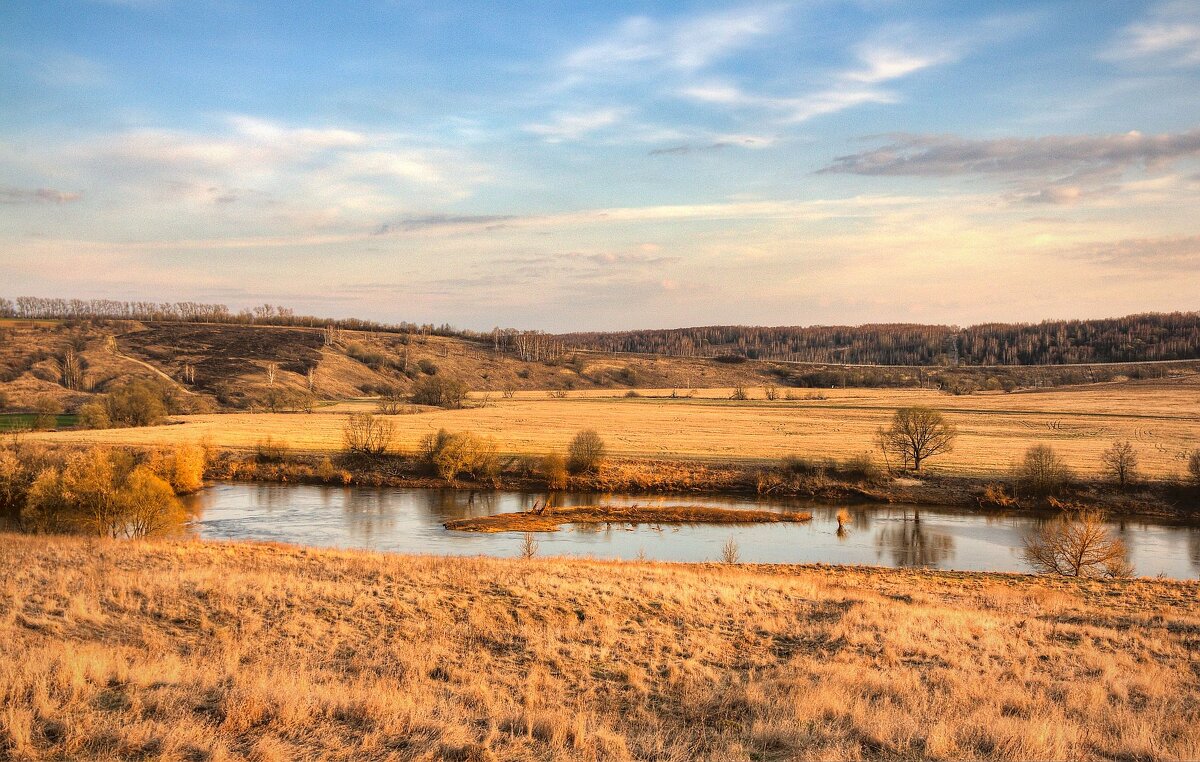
{"points": [[1162, 419], [178, 650]]}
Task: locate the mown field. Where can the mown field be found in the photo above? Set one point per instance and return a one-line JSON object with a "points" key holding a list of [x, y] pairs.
{"points": [[1162, 420], [179, 650]]}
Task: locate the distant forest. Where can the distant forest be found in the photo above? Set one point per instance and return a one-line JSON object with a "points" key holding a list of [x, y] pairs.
{"points": [[1135, 338]]}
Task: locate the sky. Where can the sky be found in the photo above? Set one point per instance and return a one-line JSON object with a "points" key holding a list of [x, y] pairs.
{"points": [[606, 166]]}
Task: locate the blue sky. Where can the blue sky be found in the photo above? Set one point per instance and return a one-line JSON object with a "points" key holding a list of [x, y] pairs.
{"points": [[606, 166]]}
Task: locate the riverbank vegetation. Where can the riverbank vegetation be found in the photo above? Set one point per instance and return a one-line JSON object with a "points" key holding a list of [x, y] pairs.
{"points": [[218, 651], [546, 517]]}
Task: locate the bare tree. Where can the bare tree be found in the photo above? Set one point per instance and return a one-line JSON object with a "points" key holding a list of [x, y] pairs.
{"points": [[1078, 545], [391, 401], [272, 371], [529, 546], [1121, 462], [916, 433], [1194, 466], [72, 366], [586, 452], [311, 377], [771, 392], [367, 434]]}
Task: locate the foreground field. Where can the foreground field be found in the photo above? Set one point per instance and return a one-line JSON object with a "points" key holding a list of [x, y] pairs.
{"points": [[1161, 419], [211, 651]]}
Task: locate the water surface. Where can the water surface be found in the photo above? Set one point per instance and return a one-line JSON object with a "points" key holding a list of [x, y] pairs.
{"points": [[410, 521]]}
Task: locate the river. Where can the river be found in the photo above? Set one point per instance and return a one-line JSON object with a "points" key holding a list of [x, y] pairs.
{"points": [[410, 521]]}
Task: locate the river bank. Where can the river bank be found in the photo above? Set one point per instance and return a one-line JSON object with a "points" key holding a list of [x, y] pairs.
{"points": [[834, 483]]}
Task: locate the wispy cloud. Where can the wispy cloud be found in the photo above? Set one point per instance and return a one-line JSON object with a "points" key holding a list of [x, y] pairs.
{"points": [[952, 155], [36, 196], [1170, 34], [685, 44], [573, 126]]}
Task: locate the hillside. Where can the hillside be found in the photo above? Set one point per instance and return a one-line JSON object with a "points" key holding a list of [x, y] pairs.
{"points": [[238, 366], [209, 651], [230, 365]]}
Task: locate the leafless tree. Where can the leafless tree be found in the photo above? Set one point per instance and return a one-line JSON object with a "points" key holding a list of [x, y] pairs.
{"points": [[1121, 462], [1194, 466], [1078, 545], [772, 392], [1042, 471], [729, 552], [391, 401], [272, 371], [509, 392], [529, 546], [72, 374], [916, 433]]}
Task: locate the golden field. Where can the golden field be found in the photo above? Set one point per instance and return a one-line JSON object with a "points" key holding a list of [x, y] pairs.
{"points": [[1162, 419], [183, 650]]}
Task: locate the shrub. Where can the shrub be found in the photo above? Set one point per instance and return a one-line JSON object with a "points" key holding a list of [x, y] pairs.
{"points": [[94, 415], [440, 391], [391, 401], [3, 401], [1194, 466], [553, 469], [366, 434], [771, 392], [632, 393], [137, 403], [182, 467], [1042, 472], [325, 470], [453, 455], [794, 464], [586, 452], [739, 393], [47, 410], [271, 450], [859, 467], [427, 367]]}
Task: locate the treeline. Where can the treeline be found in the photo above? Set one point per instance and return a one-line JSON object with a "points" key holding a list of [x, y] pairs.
{"points": [[1135, 338], [42, 308]]}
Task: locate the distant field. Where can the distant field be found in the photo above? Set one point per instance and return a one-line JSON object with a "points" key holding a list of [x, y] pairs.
{"points": [[1161, 419]]}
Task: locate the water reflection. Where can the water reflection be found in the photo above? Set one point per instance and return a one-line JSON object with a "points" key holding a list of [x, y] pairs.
{"points": [[410, 521], [909, 543]]}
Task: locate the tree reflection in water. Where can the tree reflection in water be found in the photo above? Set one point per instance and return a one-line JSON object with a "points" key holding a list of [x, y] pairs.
{"points": [[911, 544], [1194, 548]]}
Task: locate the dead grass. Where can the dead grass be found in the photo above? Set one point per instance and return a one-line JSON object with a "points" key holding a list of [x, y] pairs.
{"points": [[1162, 421], [227, 651], [551, 519]]}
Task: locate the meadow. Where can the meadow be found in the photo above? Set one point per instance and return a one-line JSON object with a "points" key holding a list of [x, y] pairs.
{"points": [[1160, 418], [185, 650]]}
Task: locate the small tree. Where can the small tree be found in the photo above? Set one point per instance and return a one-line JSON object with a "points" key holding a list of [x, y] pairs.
{"points": [[729, 552], [554, 469], [1042, 472], [1121, 462], [917, 433], [586, 452], [1079, 545], [367, 434], [1194, 466]]}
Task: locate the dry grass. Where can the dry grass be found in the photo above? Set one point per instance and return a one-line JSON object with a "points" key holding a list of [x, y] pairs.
{"points": [[1161, 420], [551, 519], [225, 651]]}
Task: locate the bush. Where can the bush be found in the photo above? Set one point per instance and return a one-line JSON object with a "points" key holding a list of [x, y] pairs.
{"points": [[366, 434], [94, 415], [739, 393], [1042, 472], [47, 410], [440, 391], [3, 401], [463, 453], [586, 452], [1194, 466], [859, 467], [427, 367], [271, 450], [103, 493], [137, 403], [553, 469], [182, 467]]}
